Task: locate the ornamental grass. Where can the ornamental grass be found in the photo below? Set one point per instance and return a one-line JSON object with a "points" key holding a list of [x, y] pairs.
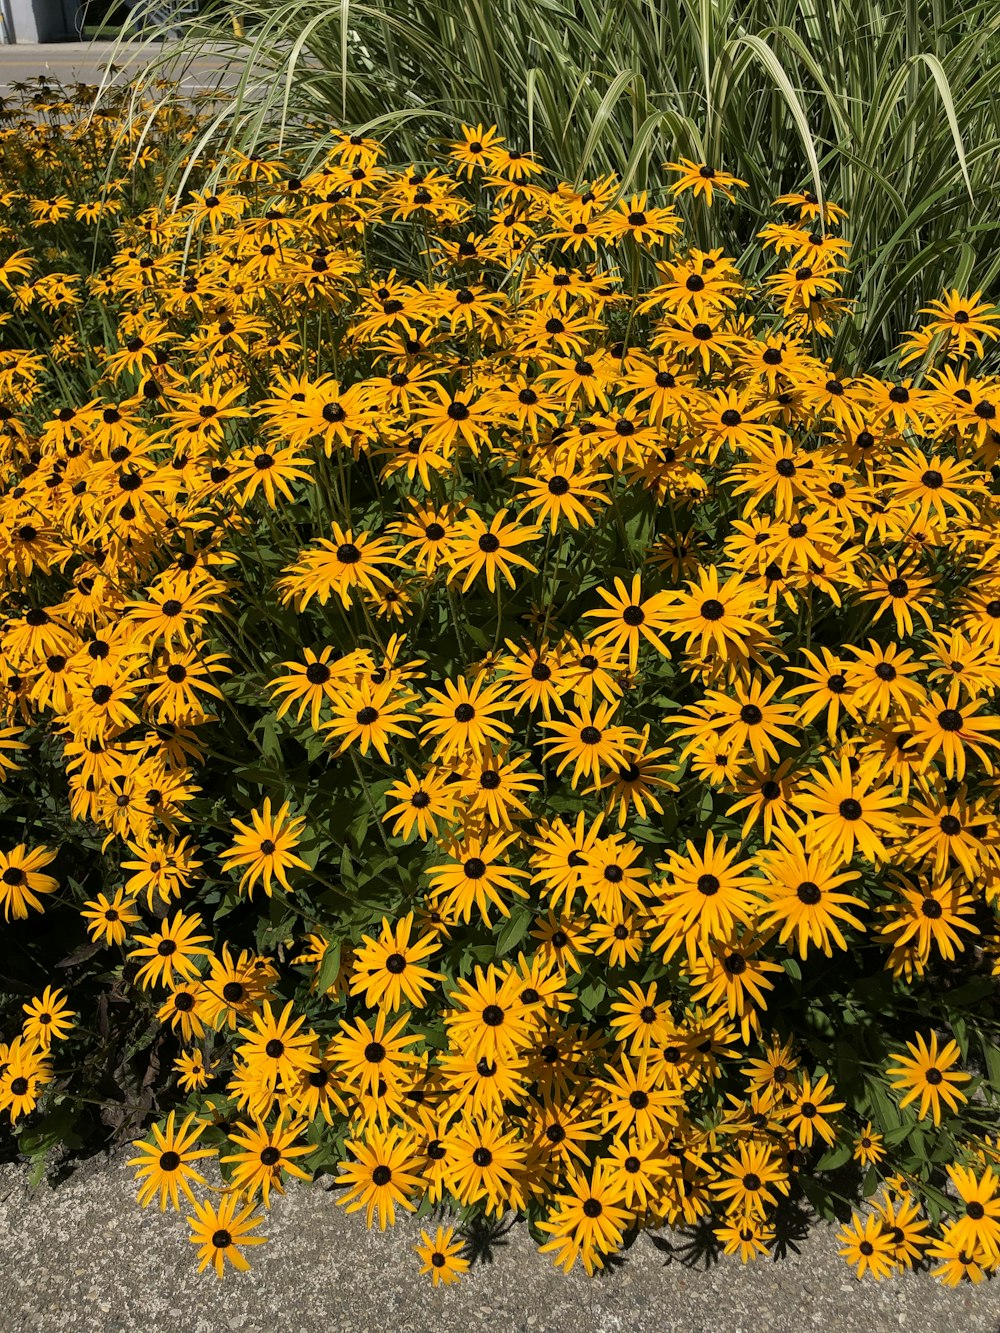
{"points": [[493, 711]]}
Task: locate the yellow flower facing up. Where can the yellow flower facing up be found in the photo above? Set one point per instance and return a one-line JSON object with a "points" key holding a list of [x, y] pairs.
{"points": [[49, 1018], [866, 1245], [163, 1166], [109, 918], [266, 1155], [222, 1232], [265, 848], [171, 951], [703, 180], [390, 968], [382, 1177], [21, 880], [588, 1222], [441, 1258], [929, 1073]]}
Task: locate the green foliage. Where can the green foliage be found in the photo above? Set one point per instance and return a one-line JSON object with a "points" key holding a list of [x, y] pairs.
{"points": [[891, 110]]}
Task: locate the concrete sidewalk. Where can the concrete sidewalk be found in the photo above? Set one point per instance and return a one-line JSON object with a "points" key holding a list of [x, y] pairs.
{"points": [[82, 1256], [87, 62]]}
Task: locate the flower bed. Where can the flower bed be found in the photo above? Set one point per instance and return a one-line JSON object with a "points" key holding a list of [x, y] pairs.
{"points": [[492, 711]]}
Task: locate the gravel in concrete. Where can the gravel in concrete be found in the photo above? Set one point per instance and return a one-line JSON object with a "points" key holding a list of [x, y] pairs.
{"points": [[81, 1256]]}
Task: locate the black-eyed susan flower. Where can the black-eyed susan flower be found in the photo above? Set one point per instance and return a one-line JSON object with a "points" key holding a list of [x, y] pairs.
{"points": [[441, 1257], [265, 848], [420, 801], [704, 894], [222, 1232], [383, 1176], [977, 1228], [866, 1245], [477, 548], [266, 1155], [803, 890], [171, 951], [475, 876], [109, 918], [702, 180], [929, 1073], [391, 967], [462, 718], [22, 881], [48, 1018], [849, 809], [275, 1048], [588, 1221], [163, 1167], [25, 1071]]}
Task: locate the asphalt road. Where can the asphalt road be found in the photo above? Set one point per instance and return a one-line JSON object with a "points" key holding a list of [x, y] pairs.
{"points": [[83, 1256]]}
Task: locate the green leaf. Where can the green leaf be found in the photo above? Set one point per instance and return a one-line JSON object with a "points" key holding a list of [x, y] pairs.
{"points": [[837, 1156], [513, 930], [884, 1112], [992, 1057], [329, 967], [592, 995]]}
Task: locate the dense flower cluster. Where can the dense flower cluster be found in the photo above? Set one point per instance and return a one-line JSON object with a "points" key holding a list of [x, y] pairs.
{"points": [[535, 711]]}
